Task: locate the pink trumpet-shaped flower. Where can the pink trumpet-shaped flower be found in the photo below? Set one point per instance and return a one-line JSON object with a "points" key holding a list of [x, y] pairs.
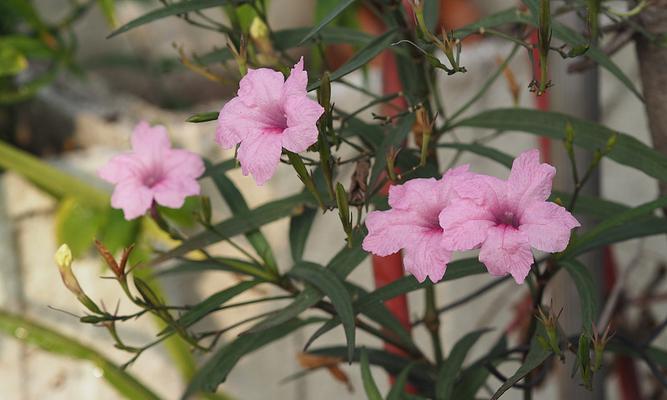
{"points": [[152, 171], [412, 224], [268, 114], [507, 218]]}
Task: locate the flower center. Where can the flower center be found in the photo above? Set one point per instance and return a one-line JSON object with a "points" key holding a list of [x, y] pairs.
{"points": [[508, 218], [277, 121]]}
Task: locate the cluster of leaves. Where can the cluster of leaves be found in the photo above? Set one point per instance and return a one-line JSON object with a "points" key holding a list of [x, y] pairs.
{"points": [[307, 285]]}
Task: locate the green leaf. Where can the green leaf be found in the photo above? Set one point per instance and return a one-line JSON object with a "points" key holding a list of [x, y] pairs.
{"points": [[328, 283], [203, 117], [299, 228], [238, 205], [377, 312], [631, 230], [577, 41], [586, 288], [393, 139], [589, 135], [116, 232], [361, 58], [216, 369], [537, 354], [484, 151], [475, 376], [51, 179], [28, 46], [220, 168], [370, 387], [326, 20], [452, 365], [56, 343], [509, 16], [181, 7], [609, 226], [397, 390], [422, 376], [237, 225], [209, 305], [341, 265], [289, 38], [455, 270], [109, 11], [77, 225], [217, 264], [12, 61]]}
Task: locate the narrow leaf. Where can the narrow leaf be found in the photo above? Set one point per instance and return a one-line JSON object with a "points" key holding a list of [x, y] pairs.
{"points": [[589, 135], [586, 288], [49, 340], [361, 58], [393, 139], [299, 228], [452, 365], [535, 357], [236, 225], [370, 387], [237, 204], [216, 369], [209, 305], [344, 4], [327, 282], [181, 7]]}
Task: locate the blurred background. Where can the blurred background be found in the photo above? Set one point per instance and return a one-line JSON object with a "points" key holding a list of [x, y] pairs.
{"points": [[85, 114]]}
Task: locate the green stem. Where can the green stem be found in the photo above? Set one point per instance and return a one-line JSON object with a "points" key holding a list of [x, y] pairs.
{"points": [[432, 323]]}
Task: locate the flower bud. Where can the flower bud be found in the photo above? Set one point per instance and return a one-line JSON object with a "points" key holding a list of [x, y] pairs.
{"points": [[63, 259]]}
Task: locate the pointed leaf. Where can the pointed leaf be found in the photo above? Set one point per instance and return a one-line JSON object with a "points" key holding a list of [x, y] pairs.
{"points": [[216, 369], [209, 305], [236, 225], [237, 204], [393, 139], [344, 4], [178, 8], [361, 58], [56, 343], [589, 135], [586, 288], [370, 387], [452, 365], [299, 228], [537, 354], [329, 284]]}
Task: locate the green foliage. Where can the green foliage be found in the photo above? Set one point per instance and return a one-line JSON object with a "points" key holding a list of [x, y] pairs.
{"points": [[53, 342]]}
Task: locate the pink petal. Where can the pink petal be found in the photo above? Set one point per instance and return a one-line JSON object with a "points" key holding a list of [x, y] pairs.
{"points": [[529, 180], [121, 167], [426, 257], [506, 250], [414, 194], [547, 226], [235, 121], [259, 154], [302, 114], [133, 198], [182, 164], [261, 88], [149, 139], [389, 231], [465, 224], [296, 83]]}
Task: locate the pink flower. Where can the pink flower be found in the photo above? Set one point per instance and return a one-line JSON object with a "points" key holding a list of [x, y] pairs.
{"points": [[412, 224], [152, 171], [507, 218], [268, 113]]}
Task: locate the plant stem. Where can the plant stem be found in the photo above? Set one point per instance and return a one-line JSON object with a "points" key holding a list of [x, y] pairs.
{"points": [[432, 323]]}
